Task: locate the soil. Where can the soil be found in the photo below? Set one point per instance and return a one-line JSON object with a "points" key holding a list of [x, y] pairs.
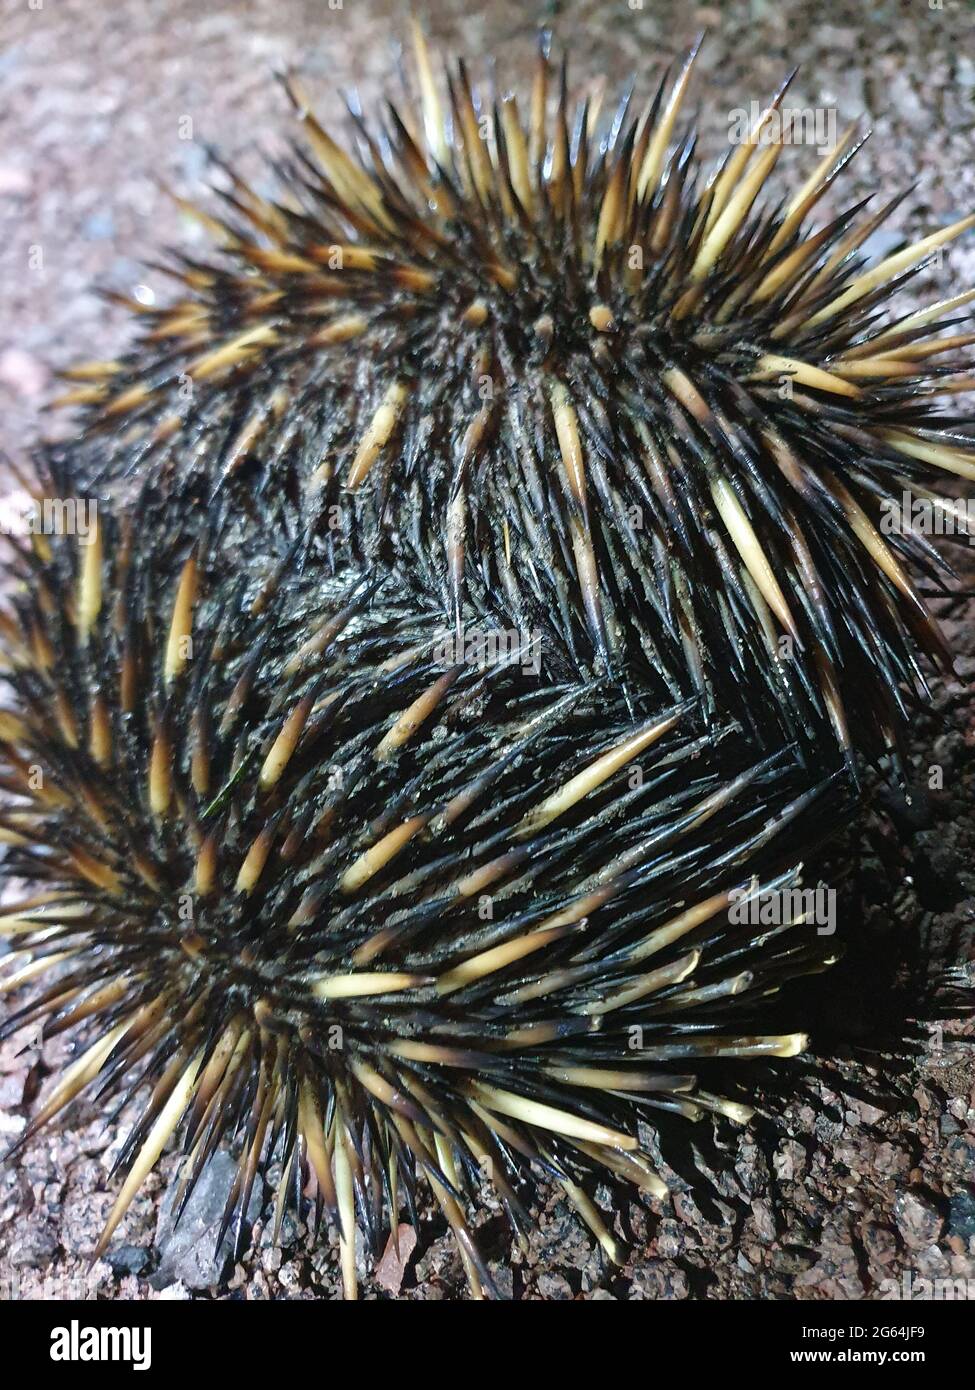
{"points": [[860, 1183]]}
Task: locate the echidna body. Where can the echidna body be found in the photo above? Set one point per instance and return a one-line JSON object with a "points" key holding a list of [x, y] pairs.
{"points": [[306, 877], [531, 356], [386, 921]]}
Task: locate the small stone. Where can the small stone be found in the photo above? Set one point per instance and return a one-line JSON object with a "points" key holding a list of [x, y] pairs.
{"points": [[83, 1218], [36, 1248], [391, 1268], [918, 1219], [127, 1259], [764, 1221], [668, 1238], [504, 1282], [658, 1280], [879, 1243], [554, 1286], [189, 1253], [961, 1214], [289, 1277], [891, 1159]]}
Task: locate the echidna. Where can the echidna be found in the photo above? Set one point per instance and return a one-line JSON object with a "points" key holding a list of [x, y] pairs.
{"points": [[308, 874], [379, 917], [544, 365]]}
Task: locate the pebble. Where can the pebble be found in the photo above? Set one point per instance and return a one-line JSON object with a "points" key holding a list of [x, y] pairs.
{"points": [[554, 1286], [764, 1221], [918, 1219], [391, 1268], [189, 1253], [127, 1259], [35, 1249], [961, 1214], [879, 1243]]}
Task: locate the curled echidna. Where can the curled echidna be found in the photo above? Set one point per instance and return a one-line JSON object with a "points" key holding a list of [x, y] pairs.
{"points": [[313, 871], [375, 915], [533, 356]]}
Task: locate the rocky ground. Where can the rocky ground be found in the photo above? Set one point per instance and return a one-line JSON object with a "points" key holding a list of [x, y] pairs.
{"points": [[858, 1187]]}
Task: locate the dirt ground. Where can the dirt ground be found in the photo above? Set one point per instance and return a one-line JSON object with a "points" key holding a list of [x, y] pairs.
{"points": [[856, 1190]]}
